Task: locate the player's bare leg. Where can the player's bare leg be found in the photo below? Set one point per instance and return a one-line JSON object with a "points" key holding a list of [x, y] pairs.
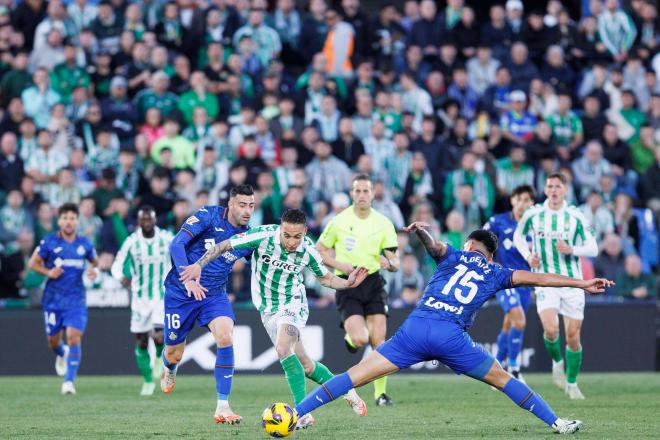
{"points": [[143, 361], [357, 334], [573, 329], [74, 340], [222, 329], [309, 365], [527, 399], [54, 341], [171, 356], [377, 327], [550, 321]]}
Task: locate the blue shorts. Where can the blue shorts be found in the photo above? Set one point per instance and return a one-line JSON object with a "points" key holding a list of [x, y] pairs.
{"points": [[511, 298], [421, 339], [182, 312], [56, 320]]}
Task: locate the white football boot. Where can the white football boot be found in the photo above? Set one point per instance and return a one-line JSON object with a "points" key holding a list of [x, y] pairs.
{"points": [[563, 426], [573, 391], [558, 374], [224, 414], [68, 388], [167, 380], [354, 401], [60, 362], [306, 421]]}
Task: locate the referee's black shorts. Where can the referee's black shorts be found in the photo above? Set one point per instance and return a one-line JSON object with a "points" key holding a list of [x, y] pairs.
{"points": [[369, 298]]}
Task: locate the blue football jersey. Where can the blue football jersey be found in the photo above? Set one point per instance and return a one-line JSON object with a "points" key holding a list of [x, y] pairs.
{"points": [[67, 292], [461, 284], [504, 225], [209, 226]]}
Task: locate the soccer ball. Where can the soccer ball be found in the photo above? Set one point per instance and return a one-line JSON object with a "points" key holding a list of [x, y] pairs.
{"points": [[279, 420]]}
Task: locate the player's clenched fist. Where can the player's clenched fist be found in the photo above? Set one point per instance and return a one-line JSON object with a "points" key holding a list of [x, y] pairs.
{"points": [[533, 261], [55, 273]]}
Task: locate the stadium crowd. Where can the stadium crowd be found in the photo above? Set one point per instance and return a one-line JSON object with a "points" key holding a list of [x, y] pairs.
{"points": [[116, 104]]}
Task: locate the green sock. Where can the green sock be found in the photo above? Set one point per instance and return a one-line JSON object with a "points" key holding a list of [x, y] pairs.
{"points": [[573, 364], [159, 350], [380, 385], [321, 374], [295, 377], [554, 348], [143, 362]]}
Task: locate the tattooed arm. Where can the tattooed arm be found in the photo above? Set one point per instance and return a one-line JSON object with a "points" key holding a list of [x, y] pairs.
{"points": [[194, 271], [435, 249]]}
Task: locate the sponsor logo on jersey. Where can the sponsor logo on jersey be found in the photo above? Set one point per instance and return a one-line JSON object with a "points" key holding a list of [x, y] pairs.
{"points": [[219, 230], [289, 267], [57, 250], [350, 243], [439, 305], [80, 250], [229, 257], [69, 262], [554, 235], [508, 230], [192, 220]]}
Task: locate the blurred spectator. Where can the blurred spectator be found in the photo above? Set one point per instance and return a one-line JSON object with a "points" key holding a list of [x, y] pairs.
{"points": [[379, 147], [266, 38], [384, 204], [483, 190], [616, 30], [522, 69], [634, 284], [408, 284], [11, 164], [517, 124], [45, 163], [347, 147], [610, 261], [513, 171], [15, 80], [590, 167], [592, 118], [327, 175], [183, 151], [117, 226], [14, 218], [482, 69], [157, 95], [566, 126], [598, 216], [497, 33], [40, 98], [89, 224]]}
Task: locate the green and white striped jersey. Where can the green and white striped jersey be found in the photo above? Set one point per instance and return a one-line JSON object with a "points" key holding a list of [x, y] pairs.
{"points": [[146, 261], [546, 226], [277, 278]]}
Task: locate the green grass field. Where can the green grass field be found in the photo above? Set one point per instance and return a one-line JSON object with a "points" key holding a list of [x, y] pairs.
{"points": [[427, 407]]}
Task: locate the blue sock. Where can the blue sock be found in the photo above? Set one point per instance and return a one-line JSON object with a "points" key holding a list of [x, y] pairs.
{"points": [[326, 393], [167, 364], [59, 350], [502, 349], [527, 399], [515, 346], [72, 363], [224, 371]]}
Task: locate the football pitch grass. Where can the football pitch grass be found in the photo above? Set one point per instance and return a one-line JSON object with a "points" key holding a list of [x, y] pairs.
{"points": [[427, 407]]}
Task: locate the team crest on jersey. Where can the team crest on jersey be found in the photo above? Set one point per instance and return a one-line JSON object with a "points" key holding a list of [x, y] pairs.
{"points": [[192, 220], [58, 262], [80, 250], [172, 336]]}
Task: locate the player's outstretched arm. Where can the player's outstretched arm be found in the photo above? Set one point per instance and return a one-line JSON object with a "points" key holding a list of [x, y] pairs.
{"points": [[525, 278], [436, 249], [194, 271], [355, 278]]}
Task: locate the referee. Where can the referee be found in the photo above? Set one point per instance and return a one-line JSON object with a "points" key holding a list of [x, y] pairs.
{"points": [[361, 236]]}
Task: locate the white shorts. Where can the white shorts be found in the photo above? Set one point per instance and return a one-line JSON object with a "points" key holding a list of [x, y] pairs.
{"points": [[147, 315], [292, 314], [567, 301]]}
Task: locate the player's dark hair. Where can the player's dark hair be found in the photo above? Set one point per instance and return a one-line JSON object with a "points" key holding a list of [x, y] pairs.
{"points": [[363, 176], [146, 209], [522, 189], [67, 207], [487, 238], [241, 190], [559, 176], [294, 216]]}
